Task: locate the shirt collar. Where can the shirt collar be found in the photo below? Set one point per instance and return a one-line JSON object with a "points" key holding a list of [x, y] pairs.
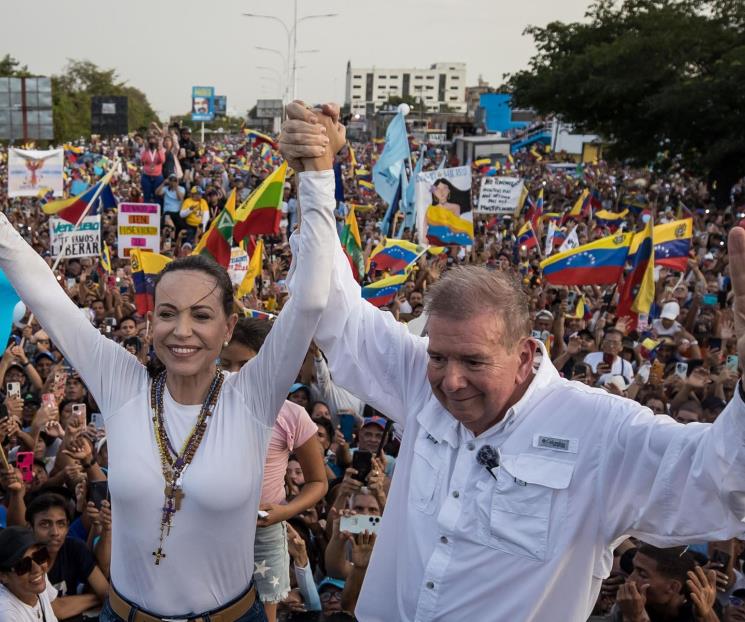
{"points": [[441, 426]]}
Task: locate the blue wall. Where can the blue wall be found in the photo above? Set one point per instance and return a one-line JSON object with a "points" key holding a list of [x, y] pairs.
{"points": [[498, 112]]}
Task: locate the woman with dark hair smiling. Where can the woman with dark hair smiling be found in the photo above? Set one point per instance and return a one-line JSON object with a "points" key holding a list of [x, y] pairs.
{"points": [[186, 440]]}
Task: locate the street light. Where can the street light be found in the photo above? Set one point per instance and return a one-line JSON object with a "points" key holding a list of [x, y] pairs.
{"points": [[291, 33]]}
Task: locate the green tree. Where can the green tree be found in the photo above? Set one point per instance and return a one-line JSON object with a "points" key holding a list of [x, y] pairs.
{"points": [[649, 76], [72, 92], [11, 68], [414, 101]]}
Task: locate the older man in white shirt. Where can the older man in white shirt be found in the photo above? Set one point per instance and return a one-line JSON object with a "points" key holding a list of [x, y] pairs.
{"points": [[513, 485]]}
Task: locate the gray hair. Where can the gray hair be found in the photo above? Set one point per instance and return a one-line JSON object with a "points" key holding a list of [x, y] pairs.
{"points": [[467, 291]]}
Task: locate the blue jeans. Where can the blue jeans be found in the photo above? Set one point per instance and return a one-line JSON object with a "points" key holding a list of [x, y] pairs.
{"points": [[150, 184], [255, 614]]}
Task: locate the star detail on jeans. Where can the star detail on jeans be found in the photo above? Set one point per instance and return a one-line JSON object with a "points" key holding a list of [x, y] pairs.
{"points": [[261, 568], [275, 581]]}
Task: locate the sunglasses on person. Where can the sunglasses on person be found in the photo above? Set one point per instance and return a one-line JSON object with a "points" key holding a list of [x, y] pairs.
{"points": [[39, 557]]}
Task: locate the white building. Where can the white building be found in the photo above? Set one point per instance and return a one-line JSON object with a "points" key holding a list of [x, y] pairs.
{"points": [[443, 84]]}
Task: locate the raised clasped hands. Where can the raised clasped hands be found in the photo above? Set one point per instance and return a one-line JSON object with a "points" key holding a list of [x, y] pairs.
{"points": [[311, 138]]}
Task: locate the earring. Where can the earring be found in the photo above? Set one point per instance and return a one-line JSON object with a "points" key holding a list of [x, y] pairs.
{"points": [[226, 343]]}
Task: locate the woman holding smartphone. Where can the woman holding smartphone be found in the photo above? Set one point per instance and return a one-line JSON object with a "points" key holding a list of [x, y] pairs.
{"points": [[186, 440]]}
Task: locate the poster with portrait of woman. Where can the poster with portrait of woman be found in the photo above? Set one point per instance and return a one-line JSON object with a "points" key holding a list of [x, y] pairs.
{"points": [[443, 206]]}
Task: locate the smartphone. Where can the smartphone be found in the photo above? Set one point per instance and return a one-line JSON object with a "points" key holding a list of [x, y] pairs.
{"points": [[580, 370], [78, 410], [710, 300], [347, 423], [13, 390], [97, 421], [362, 463], [263, 514], [720, 557], [571, 299], [608, 358], [49, 400], [536, 334], [359, 523], [681, 370], [98, 492], [733, 362], [715, 343], [25, 464]]}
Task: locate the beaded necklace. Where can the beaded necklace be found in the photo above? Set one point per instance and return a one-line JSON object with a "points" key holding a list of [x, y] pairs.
{"points": [[172, 463]]}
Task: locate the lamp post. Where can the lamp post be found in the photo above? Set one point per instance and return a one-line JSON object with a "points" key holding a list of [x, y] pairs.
{"points": [[291, 33]]}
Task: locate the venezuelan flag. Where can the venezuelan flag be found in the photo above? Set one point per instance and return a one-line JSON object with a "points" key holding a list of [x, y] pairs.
{"points": [[672, 243], [444, 227], [72, 209], [394, 255], [526, 237], [383, 292], [581, 207], [105, 259], [636, 295], [597, 263], [257, 137], [610, 219], [145, 267], [368, 185], [363, 174]]}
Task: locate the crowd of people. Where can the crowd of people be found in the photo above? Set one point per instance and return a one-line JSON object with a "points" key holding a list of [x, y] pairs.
{"points": [[331, 455]]}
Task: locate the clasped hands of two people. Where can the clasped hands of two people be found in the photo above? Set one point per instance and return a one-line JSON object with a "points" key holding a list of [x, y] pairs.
{"points": [[311, 137]]}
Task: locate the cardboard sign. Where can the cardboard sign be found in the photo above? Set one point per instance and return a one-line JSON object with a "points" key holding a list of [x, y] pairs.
{"points": [[499, 195], [138, 226]]}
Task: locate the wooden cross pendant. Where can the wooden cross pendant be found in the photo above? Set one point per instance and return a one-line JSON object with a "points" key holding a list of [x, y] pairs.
{"points": [[159, 554], [177, 495]]}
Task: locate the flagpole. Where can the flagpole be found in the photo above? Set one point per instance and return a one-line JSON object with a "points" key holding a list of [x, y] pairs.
{"points": [[538, 240], [68, 238]]}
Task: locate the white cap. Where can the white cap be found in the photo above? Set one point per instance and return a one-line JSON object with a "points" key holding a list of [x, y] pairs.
{"points": [[670, 311]]}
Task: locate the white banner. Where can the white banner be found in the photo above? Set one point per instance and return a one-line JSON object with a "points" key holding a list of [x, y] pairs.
{"points": [[499, 195], [35, 173], [138, 227], [85, 241], [238, 265]]}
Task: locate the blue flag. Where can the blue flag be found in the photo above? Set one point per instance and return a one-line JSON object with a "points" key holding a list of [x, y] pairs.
{"points": [[387, 170], [8, 301]]}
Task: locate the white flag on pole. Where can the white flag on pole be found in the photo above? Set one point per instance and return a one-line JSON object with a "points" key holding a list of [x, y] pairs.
{"points": [[572, 241]]}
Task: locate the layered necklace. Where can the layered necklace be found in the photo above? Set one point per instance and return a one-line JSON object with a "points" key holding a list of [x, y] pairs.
{"points": [[172, 463]]}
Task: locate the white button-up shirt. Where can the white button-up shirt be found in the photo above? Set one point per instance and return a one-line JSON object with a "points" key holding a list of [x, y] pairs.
{"points": [[580, 469]]}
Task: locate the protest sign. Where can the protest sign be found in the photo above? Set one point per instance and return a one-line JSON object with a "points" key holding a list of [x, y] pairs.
{"points": [[446, 195], [35, 173], [85, 241], [202, 103], [499, 195], [238, 265], [138, 227]]}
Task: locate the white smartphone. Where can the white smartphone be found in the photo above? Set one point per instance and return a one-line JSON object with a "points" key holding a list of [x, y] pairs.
{"points": [[13, 389], [360, 523], [681, 369], [263, 514]]}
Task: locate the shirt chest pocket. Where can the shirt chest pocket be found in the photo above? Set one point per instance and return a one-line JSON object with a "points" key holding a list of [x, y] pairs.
{"points": [[426, 471], [527, 499]]}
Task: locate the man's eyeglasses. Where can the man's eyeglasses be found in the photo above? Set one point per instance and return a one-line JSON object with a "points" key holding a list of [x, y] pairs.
{"points": [[39, 557], [330, 595]]}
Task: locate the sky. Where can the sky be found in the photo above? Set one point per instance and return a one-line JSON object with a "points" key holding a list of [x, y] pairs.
{"points": [[164, 47]]}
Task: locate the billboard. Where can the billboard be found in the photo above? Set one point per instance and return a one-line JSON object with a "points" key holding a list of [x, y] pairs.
{"points": [[202, 103], [26, 109], [34, 173], [268, 108], [221, 105], [109, 115]]}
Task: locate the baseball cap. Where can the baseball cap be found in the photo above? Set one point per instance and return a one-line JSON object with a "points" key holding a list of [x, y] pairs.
{"points": [[544, 314], [297, 386], [375, 420], [14, 542], [338, 583], [670, 311], [172, 176], [196, 190]]}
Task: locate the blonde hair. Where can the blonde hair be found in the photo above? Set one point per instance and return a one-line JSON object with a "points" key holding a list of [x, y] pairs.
{"points": [[466, 291]]}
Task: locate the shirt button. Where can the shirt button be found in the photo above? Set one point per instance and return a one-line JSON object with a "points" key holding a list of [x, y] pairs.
{"points": [[430, 585], [444, 539], [456, 494], [471, 446]]}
